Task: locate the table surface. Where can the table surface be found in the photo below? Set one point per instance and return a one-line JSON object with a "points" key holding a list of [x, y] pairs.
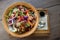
{"points": [[53, 7]]}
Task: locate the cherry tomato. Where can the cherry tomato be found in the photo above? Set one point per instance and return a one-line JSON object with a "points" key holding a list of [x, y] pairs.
{"points": [[22, 18]]}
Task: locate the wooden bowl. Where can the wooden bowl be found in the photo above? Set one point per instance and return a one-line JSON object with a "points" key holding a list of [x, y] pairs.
{"points": [[5, 23]]}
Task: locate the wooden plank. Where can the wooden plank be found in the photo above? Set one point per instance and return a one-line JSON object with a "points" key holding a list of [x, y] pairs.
{"points": [[50, 3], [55, 13]]}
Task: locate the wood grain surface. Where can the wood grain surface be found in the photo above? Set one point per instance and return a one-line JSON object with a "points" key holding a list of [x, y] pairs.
{"points": [[53, 7]]}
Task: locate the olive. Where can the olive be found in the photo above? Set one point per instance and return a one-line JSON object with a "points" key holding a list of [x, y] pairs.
{"points": [[42, 14]]}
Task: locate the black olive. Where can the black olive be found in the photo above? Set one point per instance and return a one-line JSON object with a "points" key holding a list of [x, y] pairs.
{"points": [[42, 14], [15, 18]]}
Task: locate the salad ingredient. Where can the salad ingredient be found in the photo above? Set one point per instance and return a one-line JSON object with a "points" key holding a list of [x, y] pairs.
{"points": [[20, 19]]}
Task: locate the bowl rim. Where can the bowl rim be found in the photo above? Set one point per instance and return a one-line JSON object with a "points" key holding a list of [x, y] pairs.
{"points": [[27, 33]]}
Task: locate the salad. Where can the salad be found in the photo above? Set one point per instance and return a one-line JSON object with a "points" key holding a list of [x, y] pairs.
{"points": [[20, 19]]}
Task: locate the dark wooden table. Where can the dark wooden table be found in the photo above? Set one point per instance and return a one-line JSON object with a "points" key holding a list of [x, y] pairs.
{"points": [[53, 7]]}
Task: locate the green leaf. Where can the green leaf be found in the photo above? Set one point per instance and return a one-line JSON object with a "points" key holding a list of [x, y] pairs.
{"points": [[11, 11], [27, 24], [21, 13], [16, 13]]}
